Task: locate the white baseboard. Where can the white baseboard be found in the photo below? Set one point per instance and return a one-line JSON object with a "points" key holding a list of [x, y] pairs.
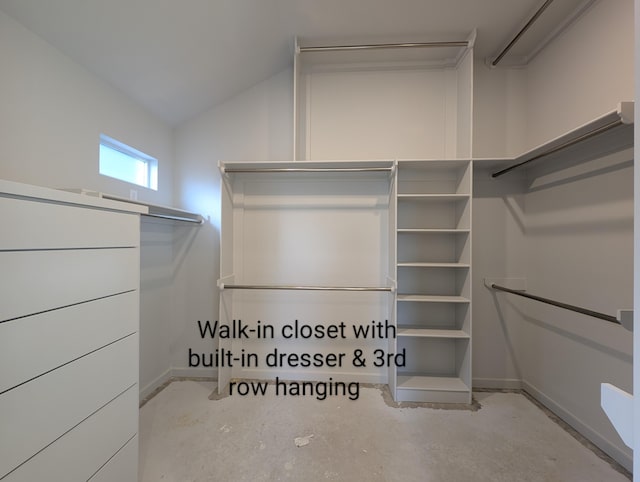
{"points": [[592, 435], [158, 382], [170, 373], [194, 372], [498, 383]]}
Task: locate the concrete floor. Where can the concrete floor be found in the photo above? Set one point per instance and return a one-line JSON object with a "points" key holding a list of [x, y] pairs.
{"points": [[184, 436]]}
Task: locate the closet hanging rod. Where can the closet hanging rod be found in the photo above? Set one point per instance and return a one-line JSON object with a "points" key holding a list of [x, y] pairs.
{"points": [[562, 146], [412, 45], [566, 306], [521, 32], [305, 288], [301, 169], [174, 218]]}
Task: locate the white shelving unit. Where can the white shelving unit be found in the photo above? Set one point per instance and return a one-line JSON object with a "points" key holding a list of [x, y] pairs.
{"points": [[315, 225], [434, 280], [298, 223], [347, 101]]}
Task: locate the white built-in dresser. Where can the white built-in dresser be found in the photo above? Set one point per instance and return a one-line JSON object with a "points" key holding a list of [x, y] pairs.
{"points": [[69, 322]]}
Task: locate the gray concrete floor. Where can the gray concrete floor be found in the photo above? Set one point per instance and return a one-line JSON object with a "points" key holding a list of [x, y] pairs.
{"points": [[184, 436]]}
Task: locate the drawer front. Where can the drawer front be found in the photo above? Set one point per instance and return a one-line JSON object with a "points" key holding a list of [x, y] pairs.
{"points": [[123, 467], [41, 225], [35, 281], [35, 414], [37, 344], [80, 453]]}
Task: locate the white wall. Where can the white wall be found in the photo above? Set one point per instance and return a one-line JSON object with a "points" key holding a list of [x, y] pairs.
{"points": [[498, 231], [52, 114], [255, 125], [574, 226], [567, 229], [583, 73]]}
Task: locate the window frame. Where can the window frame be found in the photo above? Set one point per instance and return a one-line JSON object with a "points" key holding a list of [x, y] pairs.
{"points": [[151, 163]]}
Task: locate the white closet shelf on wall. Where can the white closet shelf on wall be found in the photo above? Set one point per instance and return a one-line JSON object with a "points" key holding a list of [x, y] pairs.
{"points": [[606, 134], [146, 208]]}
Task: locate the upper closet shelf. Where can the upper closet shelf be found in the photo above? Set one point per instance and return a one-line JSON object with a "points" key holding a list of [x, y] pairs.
{"points": [[144, 208], [612, 131], [162, 212]]}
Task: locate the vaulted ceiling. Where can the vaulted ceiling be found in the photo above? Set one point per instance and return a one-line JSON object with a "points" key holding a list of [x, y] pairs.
{"points": [[180, 58]]}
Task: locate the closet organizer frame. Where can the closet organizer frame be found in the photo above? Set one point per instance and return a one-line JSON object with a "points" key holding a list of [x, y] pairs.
{"points": [[291, 173], [433, 300], [443, 68]]}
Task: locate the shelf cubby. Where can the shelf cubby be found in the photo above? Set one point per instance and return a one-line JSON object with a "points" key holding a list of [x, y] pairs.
{"points": [[437, 368]]}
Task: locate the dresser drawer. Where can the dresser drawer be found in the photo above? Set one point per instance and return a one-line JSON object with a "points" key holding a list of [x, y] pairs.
{"points": [[42, 225], [35, 414], [77, 455], [36, 281], [36, 344], [123, 467]]}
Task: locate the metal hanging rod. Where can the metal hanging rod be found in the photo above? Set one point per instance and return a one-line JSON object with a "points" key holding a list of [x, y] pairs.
{"points": [[577, 309], [521, 32], [301, 169], [564, 145], [412, 45], [174, 218], [306, 288]]}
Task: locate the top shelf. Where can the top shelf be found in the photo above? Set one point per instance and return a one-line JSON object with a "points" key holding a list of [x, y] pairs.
{"points": [[613, 132]]}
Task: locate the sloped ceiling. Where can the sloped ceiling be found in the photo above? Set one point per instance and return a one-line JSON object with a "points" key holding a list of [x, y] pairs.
{"points": [[180, 58]]}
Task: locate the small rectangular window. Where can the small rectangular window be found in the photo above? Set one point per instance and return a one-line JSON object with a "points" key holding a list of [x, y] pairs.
{"points": [[123, 162]]}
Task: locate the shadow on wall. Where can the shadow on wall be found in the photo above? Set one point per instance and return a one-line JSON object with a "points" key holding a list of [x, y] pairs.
{"points": [[509, 337], [583, 340]]}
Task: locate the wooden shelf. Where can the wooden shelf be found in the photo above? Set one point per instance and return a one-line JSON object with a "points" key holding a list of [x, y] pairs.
{"points": [[448, 384], [413, 331], [433, 265], [433, 298]]}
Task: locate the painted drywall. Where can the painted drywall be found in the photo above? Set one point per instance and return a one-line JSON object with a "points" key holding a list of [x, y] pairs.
{"points": [[498, 232], [584, 73], [255, 125], [568, 229], [499, 111], [498, 254], [52, 114], [579, 227]]}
